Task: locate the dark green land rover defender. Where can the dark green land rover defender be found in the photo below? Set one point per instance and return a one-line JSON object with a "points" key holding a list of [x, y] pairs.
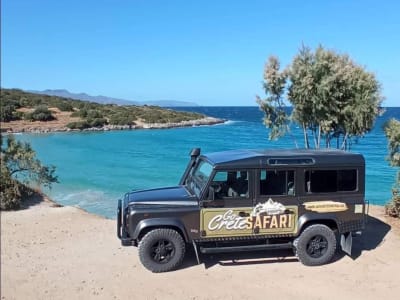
{"points": [[244, 200]]}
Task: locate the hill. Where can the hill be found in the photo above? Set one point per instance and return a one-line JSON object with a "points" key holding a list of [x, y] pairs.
{"points": [[109, 100], [22, 111]]}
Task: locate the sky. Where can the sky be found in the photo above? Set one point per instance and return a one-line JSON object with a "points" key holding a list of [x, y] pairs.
{"points": [[209, 52]]}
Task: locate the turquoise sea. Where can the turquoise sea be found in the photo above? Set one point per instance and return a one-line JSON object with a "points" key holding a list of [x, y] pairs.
{"points": [[97, 168]]}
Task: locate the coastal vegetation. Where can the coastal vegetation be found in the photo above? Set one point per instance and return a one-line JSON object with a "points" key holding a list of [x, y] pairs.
{"points": [[334, 99], [392, 132], [20, 105], [19, 168]]}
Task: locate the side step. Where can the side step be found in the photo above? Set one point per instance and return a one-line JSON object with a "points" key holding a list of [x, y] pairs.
{"points": [[245, 248]]}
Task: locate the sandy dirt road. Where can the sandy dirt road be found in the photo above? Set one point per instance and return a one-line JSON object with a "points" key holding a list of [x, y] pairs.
{"points": [[65, 253]]}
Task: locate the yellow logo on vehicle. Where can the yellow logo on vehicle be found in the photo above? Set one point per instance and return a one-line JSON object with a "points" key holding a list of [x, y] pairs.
{"points": [[325, 206]]}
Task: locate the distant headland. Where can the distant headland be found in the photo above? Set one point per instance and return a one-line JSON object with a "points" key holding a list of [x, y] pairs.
{"points": [[39, 113], [110, 100]]}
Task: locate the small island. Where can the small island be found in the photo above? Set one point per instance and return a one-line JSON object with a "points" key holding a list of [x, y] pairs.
{"points": [[37, 113]]}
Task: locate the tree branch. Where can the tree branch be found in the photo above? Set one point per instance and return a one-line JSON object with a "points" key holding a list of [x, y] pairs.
{"points": [[19, 170]]}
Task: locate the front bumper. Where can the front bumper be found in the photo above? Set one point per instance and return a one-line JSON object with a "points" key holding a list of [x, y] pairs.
{"points": [[121, 231]]}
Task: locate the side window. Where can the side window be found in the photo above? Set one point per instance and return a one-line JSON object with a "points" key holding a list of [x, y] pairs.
{"points": [[330, 181], [233, 184], [273, 182], [347, 180]]}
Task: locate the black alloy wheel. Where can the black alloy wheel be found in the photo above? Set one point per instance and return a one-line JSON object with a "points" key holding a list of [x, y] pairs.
{"points": [[161, 250], [316, 245]]}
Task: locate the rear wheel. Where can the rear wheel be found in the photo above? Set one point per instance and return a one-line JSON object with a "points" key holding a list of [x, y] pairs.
{"points": [[316, 245], [161, 250]]}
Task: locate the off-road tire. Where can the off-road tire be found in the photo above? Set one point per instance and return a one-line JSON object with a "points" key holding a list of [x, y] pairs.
{"points": [[316, 245], [161, 250]]}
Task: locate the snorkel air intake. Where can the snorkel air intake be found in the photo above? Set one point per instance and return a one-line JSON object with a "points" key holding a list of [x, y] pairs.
{"points": [[193, 156]]}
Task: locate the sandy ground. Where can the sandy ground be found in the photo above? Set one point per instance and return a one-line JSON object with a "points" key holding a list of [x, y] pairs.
{"points": [[65, 253]]}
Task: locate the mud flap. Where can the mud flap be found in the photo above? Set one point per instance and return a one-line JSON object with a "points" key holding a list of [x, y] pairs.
{"points": [[346, 242]]}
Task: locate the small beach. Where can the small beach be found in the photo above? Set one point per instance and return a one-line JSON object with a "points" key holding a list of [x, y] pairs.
{"points": [[53, 252]]}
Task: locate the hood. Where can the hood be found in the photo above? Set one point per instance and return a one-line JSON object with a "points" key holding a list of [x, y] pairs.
{"points": [[177, 195]]}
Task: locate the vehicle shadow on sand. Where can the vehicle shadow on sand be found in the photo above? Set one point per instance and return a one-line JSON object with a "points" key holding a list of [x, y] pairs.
{"points": [[371, 238], [240, 258]]}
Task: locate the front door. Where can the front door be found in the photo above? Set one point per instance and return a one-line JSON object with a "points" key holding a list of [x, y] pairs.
{"points": [[230, 202], [239, 206]]}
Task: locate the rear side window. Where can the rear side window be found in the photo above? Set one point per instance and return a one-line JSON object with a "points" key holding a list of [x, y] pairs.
{"points": [[329, 181], [274, 182]]}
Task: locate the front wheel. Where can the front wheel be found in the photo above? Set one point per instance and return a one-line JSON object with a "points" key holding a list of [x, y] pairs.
{"points": [[161, 250], [316, 245]]}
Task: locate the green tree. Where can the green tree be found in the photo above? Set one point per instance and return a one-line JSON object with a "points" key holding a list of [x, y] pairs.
{"points": [[19, 166], [333, 98], [274, 85], [392, 132]]}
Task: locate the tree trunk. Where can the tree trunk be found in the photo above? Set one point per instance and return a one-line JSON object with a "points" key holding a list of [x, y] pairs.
{"points": [[314, 133], [292, 135], [319, 137], [344, 144], [306, 145]]}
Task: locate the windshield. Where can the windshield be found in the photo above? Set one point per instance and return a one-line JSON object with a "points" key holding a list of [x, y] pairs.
{"points": [[199, 177]]}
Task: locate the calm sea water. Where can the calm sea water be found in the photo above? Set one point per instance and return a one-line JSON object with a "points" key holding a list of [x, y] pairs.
{"points": [[97, 168]]}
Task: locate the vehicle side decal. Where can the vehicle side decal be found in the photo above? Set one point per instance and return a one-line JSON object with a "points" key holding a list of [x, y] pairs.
{"points": [[325, 206], [265, 218]]}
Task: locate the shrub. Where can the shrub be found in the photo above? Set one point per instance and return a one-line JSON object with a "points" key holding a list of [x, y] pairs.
{"points": [[76, 114], [64, 106], [10, 193], [18, 115], [78, 125], [7, 113], [94, 114], [19, 162], [392, 132], [41, 113], [393, 207], [122, 119], [8, 110], [97, 122]]}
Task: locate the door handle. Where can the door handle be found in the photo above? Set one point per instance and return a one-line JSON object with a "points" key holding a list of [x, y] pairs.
{"points": [[243, 214]]}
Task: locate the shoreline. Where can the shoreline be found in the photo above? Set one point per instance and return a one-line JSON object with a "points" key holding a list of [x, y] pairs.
{"points": [[38, 197], [48, 127], [63, 252]]}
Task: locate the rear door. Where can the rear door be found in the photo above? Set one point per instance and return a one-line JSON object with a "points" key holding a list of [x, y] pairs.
{"points": [[276, 202]]}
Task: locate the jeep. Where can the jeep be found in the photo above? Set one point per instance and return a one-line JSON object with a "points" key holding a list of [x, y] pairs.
{"points": [[310, 201]]}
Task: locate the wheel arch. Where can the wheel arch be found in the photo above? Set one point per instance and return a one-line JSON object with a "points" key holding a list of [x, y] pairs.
{"points": [[145, 226], [307, 220]]}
